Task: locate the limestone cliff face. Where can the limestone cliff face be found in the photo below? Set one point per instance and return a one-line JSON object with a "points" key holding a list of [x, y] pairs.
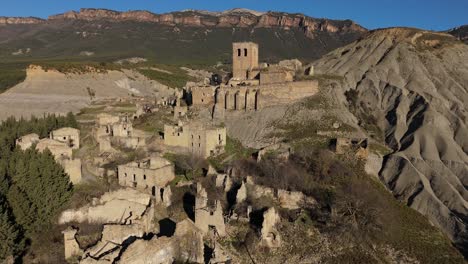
{"points": [[231, 18], [416, 84]]}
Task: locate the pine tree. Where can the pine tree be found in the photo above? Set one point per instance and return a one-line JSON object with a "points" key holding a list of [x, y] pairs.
{"points": [[12, 241]]}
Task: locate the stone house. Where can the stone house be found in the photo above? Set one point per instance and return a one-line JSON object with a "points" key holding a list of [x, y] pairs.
{"points": [[27, 141], [150, 175], [115, 126], [68, 135], [196, 138]]}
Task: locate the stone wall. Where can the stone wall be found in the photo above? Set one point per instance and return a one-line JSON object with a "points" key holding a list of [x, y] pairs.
{"points": [[275, 76], [208, 218], [73, 169], [27, 141], [72, 248], [257, 97], [203, 95]]}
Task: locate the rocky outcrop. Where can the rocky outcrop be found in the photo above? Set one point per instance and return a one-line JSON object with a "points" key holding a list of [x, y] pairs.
{"points": [[415, 84], [231, 18], [20, 20], [460, 32]]}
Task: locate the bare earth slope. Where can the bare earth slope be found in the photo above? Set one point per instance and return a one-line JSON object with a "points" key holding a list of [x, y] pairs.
{"points": [[416, 83], [55, 92]]}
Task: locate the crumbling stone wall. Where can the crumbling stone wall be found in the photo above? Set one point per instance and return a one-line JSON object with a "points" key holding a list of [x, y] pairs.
{"points": [[27, 141], [72, 248], [73, 168], [275, 75], [208, 218]]}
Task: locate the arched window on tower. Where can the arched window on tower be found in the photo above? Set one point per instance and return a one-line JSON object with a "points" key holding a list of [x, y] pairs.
{"points": [[245, 52], [238, 52]]}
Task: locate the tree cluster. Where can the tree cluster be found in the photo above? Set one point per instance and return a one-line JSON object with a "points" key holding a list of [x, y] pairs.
{"points": [[33, 187]]}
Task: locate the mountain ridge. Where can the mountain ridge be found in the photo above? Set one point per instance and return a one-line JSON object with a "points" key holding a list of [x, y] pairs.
{"points": [[234, 17]]}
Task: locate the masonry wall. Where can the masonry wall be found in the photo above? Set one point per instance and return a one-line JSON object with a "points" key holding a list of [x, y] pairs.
{"points": [[275, 77], [282, 93], [73, 169], [203, 95], [146, 179], [175, 136]]}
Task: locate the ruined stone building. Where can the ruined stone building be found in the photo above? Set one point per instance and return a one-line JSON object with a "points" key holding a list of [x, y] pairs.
{"points": [[180, 109], [63, 154], [358, 146], [116, 129], [197, 139], [68, 135], [254, 86], [150, 175], [61, 144], [113, 125], [209, 216], [27, 141]]}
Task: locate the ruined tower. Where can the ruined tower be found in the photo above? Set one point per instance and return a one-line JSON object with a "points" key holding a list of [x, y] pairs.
{"points": [[244, 59]]}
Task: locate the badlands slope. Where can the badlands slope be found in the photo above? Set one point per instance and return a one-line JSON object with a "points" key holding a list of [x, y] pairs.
{"points": [[54, 92], [416, 84]]}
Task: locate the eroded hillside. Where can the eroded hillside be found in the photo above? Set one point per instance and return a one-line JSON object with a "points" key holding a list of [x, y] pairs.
{"points": [[413, 85]]}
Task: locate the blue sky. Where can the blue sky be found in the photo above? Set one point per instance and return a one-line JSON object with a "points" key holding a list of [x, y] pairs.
{"points": [[427, 14]]}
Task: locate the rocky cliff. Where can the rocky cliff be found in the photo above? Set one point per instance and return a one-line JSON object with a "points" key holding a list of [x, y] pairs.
{"points": [[413, 85], [230, 18]]}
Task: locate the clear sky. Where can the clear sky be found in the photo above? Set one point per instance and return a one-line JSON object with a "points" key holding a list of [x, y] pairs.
{"points": [[427, 14]]}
